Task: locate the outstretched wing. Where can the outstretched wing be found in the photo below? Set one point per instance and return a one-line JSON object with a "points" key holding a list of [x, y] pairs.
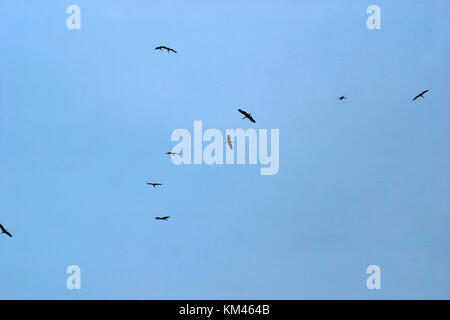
{"points": [[3, 228], [251, 118], [172, 50], [420, 94], [243, 112], [9, 234]]}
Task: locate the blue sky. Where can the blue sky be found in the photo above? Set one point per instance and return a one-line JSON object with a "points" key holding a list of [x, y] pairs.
{"points": [[86, 116]]}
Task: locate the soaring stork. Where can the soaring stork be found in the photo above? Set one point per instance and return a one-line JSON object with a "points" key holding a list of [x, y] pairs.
{"points": [[165, 48], [154, 184], [162, 218], [420, 94], [5, 231], [230, 144], [247, 115]]}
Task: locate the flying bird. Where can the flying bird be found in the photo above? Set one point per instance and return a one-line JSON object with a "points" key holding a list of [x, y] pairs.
{"points": [[342, 97], [5, 231], [230, 144], [154, 184], [162, 218], [247, 115], [173, 153], [420, 94], [165, 48]]}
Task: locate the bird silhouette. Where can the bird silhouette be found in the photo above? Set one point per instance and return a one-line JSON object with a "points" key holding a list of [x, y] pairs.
{"points": [[173, 153], [247, 115], [165, 48], [420, 94], [154, 184], [162, 218], [5, 231], [342, 97], [230, 144]]}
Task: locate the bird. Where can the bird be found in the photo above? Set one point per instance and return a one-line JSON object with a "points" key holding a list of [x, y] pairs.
{"points": [[173, 153], [165, 48], [5, 231], [420, 94], [229, 142], [154, 184], [342, 97], [162, 218], [247, 115]]}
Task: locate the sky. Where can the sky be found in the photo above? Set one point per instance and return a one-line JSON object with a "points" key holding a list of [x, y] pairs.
{"points": [[86, 117]]}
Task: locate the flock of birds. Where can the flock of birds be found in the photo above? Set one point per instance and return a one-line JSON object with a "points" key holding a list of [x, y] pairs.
{"points": [[418, 96], [229, 142]]}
